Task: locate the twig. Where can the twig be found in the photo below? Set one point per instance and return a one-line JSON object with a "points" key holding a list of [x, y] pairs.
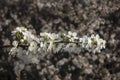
{"points": [[7, 46]]}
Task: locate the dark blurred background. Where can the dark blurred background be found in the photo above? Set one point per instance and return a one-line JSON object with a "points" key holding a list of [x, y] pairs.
{"points": [[82, 16]]}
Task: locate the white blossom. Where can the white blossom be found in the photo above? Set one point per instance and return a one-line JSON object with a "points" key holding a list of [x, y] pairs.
{"points": [[15, 43], [13, 51], [70, 47], [19, 29], [33, 46], [84, 41], [58, 47], [72, 36]]}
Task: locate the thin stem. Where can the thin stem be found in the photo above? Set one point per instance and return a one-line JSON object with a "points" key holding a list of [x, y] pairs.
{"points": [[7, 46], [66, 42]]}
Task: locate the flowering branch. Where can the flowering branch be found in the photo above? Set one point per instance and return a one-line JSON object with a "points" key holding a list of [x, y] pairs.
{"points": [[28, 46], [46, 42]]}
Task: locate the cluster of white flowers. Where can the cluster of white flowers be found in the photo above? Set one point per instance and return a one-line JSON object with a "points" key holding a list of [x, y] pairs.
{"points": [[93, 43], [51, 42], [47, 42]]}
